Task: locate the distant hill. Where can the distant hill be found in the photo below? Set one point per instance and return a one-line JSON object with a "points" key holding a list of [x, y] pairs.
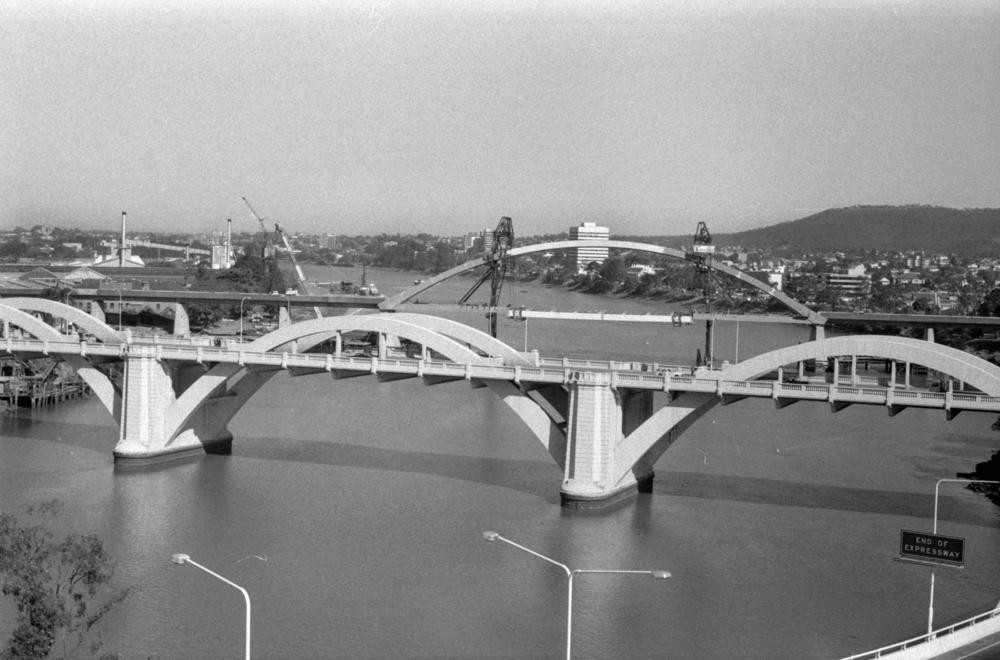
{"points": [[967, 232]]}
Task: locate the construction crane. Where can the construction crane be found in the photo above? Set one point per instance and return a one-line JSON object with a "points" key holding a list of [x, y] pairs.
{"points": [[701, 248], [268, 245], [496, 269], [300, 278]]}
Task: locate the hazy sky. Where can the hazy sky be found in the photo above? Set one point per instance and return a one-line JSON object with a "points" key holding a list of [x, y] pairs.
{"points": [[388, 116]]}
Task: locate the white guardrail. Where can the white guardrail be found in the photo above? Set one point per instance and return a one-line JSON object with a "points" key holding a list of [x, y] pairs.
{"points": [[940, 641], [632, 375]]}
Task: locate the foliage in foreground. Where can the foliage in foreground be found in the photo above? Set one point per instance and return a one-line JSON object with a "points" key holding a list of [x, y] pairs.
{"points": [[60, 586], [987, 470]]}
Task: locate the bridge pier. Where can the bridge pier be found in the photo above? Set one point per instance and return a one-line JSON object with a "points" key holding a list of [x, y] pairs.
{"points": [[147, 431], [599, 418]]}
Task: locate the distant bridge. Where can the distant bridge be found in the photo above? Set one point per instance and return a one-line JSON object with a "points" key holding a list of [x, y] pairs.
{"points": [[795, 306], [213, 297], [597, 419]]}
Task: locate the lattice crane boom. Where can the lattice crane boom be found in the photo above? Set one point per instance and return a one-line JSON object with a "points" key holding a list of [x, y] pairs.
{"points": [[300, 279], [496, 262]]}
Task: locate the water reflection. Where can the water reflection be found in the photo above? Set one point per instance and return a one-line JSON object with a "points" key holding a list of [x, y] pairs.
{"points": [[533, 478]]}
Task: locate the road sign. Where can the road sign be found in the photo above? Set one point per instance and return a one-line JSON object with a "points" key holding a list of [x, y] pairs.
{"points": [[931, 548]]}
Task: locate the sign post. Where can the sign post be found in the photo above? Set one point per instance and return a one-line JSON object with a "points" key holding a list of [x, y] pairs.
{"points": [[934, 549]]}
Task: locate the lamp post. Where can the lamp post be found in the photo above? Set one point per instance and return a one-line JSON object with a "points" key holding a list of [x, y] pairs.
{"points": [[937, 486], [241, 316], [736, 357], [570, 574], [186, 559]]}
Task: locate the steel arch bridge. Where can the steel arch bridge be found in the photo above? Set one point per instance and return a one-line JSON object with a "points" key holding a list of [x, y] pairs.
{"points": [[795, 306]]}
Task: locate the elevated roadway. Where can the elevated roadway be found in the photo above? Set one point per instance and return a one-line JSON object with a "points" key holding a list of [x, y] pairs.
{"points": [[913, 320], [975, 638], [182, 296]]}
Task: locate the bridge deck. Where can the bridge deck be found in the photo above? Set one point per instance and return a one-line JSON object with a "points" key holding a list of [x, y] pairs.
{"points": [[627, 375]]}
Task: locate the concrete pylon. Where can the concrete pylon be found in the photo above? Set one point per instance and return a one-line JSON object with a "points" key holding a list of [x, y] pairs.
{"points": [[148, 391], [94, 309], [182, 327], [599, 418], [148, 430]]}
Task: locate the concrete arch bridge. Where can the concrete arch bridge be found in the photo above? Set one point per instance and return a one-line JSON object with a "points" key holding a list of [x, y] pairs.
{"points": [[598, 420]]}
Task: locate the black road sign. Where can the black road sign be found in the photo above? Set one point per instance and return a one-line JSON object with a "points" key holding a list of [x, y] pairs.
{"points": [[933, 548]]}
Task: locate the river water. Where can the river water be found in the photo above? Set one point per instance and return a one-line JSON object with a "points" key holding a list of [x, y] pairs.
{"points": [[367, 502]]}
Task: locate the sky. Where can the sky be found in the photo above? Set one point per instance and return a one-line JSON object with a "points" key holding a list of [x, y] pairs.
{"points": [[362, 118]]}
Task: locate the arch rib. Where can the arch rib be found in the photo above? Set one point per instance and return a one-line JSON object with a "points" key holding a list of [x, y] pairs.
{"points": [[102, 331], [387, 323], [107, 392], [794, 305], [963, 366]]}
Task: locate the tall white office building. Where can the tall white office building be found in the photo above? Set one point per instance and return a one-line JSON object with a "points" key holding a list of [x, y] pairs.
{"points": [[589, 231]]}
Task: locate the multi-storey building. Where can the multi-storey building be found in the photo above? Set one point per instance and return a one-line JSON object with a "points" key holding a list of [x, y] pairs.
{"points": [[852, 284], [589, 231]]}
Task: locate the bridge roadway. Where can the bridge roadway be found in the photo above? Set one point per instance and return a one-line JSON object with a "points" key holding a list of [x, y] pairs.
{"points": [[214, 297], [546, 371], [976, 637]]}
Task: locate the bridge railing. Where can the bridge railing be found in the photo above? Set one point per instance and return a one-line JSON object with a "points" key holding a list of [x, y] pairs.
{"points": [[926, 638], [614, 365], [660, 379]]}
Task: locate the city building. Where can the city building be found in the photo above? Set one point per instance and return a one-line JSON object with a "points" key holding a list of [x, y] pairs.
{"points": [[471, 240], [487, 240], [125, 260], [852, 284], [585, 232]]}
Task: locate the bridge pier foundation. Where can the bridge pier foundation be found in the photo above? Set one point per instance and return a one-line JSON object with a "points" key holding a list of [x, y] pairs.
{"points": [[599, 419]]}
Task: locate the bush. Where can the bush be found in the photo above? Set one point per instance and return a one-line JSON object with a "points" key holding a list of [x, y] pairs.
{"points": [[59, 586]]}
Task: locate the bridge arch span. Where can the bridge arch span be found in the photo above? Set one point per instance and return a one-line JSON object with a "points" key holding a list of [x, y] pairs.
{"points": [[108, 393], [102, 331], [643, 447], [204, 410], [960, 365], [470, 336], [795, 306], [414, 328], [32, 325]]}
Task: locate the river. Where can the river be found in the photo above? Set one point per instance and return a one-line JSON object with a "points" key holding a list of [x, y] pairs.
{"points": [[367, 503]]}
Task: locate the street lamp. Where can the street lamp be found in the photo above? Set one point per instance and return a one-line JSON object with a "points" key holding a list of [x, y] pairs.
{"points": [[186, 559], [937, 486], [241, 316], [570, 574]]}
